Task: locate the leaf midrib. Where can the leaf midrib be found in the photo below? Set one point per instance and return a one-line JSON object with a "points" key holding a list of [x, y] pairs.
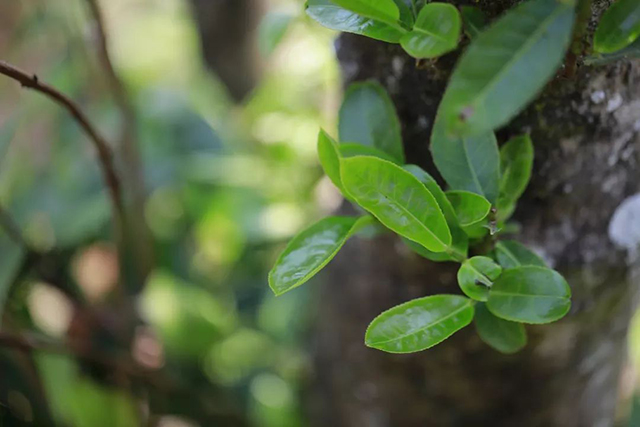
{"points": [[535, 37], [448, 316]]}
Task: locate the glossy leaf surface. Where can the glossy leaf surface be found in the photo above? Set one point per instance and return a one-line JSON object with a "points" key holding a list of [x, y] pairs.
{"points": [[506, 66], [435, 32], [470, 208], [459, 240], [397, 199], [511, 254], [618, 27], [468, 163], [419, 324], [530, 294], [368, 117], [381, 10], [476, 276], [329, 155], [312, 249], [505, 336], [337, 18]]}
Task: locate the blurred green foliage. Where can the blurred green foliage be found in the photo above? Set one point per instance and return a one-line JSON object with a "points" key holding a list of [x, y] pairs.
{"points": [[227, 185]]}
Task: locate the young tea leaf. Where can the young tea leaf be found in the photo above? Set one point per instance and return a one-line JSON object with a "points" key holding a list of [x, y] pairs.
{"points": [[511, 254], [470, 163], [435, 32], [459, 240], [618, 27], [381, 10], [311, 250], [506, 66], [530, 295], [470, 208], [329, 154], [368, 117], [473, 21], [406, 13], [330, 15], [397, 199], [505, 336], [476, 276], [419, 324], [352, 150], [516, 163]]}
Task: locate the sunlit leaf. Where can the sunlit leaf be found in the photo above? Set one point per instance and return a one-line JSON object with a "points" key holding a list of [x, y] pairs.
{"points": [[505, 336], [511, 254], [311, 250], [470, 208], [476, 276], [618, 27], [516, 164], [399, 201], [419, 324], [435, 32], [381, 10], [368, 117], [506, 66], [530, 294], [470, 163], [338, 18], [473, 20]]}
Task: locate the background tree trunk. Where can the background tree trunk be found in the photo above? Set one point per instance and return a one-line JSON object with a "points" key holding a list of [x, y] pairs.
{"points": [[587, 143]]}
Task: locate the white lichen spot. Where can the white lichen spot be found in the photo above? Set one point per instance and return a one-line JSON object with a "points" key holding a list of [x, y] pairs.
{"points": [[624, 228], [397, 65], [614, 103], [597, 97]]}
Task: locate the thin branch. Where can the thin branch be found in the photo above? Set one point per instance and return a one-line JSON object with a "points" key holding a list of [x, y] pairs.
{"points": [[105, 155], [130, 151]]}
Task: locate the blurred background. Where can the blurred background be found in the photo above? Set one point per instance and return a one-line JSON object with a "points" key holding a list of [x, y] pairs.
{"points": [[223, 100]]}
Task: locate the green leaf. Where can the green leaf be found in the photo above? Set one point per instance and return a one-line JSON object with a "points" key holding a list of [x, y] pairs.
{"points": [[352, 150], [436, 31], [473, 20], [470, 208], [619, 26], [511, 254], [397, 199], [476, 276], [516, 164], [506, 66], [630, 52], [530, 294], [337, 18], [406, 14], [329, 155], [368, 117], [311, 250], [459, 240], [470, 163], [505, 336], [381, 10], [419, 324]]}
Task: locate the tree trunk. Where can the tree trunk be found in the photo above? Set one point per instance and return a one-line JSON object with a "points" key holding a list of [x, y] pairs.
{"points": [[586, 135]]}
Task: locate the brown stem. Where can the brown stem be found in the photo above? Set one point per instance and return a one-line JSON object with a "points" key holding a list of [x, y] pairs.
{"points": [[105, 155], [130, 151]]}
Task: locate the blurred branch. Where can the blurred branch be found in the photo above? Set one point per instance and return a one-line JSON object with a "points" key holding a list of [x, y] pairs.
{"points": [[12, 229], [105, 155], [130, 151]]}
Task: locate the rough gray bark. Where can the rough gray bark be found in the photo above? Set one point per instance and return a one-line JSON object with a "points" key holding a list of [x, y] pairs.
{"points": [[586, 132]]}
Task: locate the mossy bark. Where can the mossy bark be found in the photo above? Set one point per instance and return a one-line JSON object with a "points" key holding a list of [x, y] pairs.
{"points": [[586, 131]]}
